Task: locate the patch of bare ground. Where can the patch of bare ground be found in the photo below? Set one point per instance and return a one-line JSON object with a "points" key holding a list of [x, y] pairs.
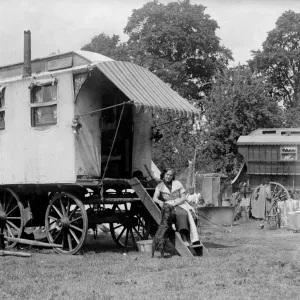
{"points": [[243, 262]]}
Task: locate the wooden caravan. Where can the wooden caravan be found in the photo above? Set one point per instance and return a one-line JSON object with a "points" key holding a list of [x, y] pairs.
{"points": [[73, 127], [271, 154]]}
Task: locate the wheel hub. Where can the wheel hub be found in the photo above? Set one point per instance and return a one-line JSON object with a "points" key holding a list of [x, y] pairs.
{"points": [[64, 223]]}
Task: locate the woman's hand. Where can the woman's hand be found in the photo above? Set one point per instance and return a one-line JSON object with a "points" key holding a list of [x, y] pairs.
{"points": [[160, 203], [171, 202]]}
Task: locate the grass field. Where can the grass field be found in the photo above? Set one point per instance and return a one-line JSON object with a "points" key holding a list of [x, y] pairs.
{"points": [[244, 262]]}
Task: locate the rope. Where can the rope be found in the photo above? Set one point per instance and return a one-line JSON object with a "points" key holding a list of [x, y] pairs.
{"points": [[101, 109], [211, 221], [110, 152]]}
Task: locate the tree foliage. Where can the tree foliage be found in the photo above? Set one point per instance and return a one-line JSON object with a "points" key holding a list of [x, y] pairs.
{"points": [[180, 138], [108, 46], [279, 60], [239, 103], [177, 42]]}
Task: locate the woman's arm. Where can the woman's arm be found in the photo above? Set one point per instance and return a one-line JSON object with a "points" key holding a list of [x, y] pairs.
{"points": [[177, 201], [155, 197]]}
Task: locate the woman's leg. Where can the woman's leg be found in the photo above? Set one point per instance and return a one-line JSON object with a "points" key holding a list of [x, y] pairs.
{"points": [[182, 223]]}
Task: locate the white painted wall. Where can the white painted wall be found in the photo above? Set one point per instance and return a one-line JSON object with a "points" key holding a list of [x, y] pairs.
{"points": [[32, 155]]}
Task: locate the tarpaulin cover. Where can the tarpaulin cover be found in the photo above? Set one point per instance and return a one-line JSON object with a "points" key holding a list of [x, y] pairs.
{"points": [[144, 88]]}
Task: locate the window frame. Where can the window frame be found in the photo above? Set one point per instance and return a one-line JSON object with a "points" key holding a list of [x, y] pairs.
{"points": [[295, 151], [35, 105]]}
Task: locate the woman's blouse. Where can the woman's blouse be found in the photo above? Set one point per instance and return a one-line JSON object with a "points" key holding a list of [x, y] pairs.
{"points": [[164, 194]]}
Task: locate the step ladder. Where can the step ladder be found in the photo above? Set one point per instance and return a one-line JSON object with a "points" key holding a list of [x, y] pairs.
{"points": [[182, 249]]}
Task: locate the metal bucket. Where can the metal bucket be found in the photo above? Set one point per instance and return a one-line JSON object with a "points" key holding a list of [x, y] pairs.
{"points": [[144, 246]]}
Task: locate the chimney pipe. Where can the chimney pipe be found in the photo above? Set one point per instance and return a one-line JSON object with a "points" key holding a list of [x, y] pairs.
{"points": [[27, 54]]}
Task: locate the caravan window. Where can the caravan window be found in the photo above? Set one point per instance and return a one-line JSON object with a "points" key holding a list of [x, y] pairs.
{"points": [[44, 105], [289, 153], [2, 108]]}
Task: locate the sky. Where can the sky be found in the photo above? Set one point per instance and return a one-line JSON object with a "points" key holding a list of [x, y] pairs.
{"points": [[66, 25]]}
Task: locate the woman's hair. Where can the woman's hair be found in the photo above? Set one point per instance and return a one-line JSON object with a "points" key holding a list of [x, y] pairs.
{"points": [[163, 173]]}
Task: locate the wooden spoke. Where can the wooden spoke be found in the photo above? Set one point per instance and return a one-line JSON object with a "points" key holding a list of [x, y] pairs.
{"points": [[74, 236], [9, 202], [121, 234], [116, 227], [70, 241], [71, 225], [52, 229], [73, 212], [132, 237], [9, 231], [126, 237], [133, 226], [16, 207], [76, 228], [137, 232], [68, 207], [13, 218], [75, 220], [12, 207], [57, 211], [54, 220], [63, 209], [57, 235], [12, 225]]}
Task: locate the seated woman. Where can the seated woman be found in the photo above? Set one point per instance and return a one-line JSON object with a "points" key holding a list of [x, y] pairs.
{"points": [[172, 192]]}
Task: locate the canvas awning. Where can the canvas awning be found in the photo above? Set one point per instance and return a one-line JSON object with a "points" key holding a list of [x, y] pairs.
{"points": [[144, 88]]}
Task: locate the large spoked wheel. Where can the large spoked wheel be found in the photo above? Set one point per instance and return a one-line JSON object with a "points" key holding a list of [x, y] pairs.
{"points": [[66, 223], [134, 225], [11, 210], [279, 192]]}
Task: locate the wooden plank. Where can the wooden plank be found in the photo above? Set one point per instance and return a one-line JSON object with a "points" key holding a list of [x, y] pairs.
{"points": [[13, 253], [146, 199], [182, 249], [197, 250], [111, 200], [31, 242]]}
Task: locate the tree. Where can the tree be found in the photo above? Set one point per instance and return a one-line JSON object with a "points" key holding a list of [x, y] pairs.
{"points": [[108, 46], [239, 103], [280, 61], [180, 138], [178, 43]]}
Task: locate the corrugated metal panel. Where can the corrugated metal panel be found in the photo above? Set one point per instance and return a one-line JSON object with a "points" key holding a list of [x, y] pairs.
{"points": [[268, 140], [144, 88]]}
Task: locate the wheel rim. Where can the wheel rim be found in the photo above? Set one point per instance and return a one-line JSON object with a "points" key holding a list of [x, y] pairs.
{"points": [[12, 210], [135, 226], [66, 223]]}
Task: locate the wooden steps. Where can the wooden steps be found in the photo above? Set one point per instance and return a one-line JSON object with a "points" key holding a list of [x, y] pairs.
{"points": [[182, 249]]}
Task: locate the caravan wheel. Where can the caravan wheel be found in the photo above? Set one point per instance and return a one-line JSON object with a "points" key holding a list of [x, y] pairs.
{"points": [[66, 223], [11, 210]]}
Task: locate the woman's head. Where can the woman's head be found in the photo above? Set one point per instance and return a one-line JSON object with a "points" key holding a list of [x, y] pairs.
{"points": [[167, 175]]}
